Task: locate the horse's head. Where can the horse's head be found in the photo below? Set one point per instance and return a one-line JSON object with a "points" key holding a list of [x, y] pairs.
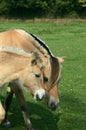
{"points": [[28, 70], [32, 76], [52, 96]]}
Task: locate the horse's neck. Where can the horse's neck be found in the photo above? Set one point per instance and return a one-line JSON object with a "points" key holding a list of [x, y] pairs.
{"points": [[10, 67], [9, 74]]}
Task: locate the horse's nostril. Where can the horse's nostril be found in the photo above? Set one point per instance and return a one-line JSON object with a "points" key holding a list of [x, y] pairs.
{"points": [[39, 95], [53, 106], [38, 98]]}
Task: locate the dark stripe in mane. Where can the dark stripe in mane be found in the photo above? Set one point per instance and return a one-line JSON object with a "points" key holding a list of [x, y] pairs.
{"points": [[41, 43]]}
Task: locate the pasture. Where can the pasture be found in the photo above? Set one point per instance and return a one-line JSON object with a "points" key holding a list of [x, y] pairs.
{"points": [[64, 39]]}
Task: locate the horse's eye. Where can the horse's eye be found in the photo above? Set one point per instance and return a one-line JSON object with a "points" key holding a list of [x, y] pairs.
{"points": [[34, 62], [45, 79], [38, 75]]}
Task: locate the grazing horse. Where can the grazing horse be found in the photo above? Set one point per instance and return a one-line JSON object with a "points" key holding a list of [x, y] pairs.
{"points": [[51, 72], [21, 68]]}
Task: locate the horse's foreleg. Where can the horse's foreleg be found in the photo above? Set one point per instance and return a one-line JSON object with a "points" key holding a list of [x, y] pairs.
{"points": [[8, 100], [20, 96]]}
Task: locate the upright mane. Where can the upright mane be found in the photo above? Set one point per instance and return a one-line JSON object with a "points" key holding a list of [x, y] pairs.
{"points": [[42, 44], [14, 50], [38, 43]]}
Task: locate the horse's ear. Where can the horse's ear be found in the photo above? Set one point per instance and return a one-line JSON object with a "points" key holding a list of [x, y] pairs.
{"points": [[61, 59]]}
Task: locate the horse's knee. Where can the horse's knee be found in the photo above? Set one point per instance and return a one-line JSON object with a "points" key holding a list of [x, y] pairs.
{"points": [[2, 113]]}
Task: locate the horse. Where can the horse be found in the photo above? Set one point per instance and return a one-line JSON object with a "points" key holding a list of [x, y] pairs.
{"points": [[21, 68], [51, 72]]}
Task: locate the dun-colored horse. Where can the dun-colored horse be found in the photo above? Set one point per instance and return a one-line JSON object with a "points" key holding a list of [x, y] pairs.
{"points": [[21, 68], [51, 72]]}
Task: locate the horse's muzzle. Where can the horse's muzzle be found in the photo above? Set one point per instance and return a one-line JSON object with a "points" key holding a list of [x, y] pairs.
{"points": [[52, 104], [39, 94]]}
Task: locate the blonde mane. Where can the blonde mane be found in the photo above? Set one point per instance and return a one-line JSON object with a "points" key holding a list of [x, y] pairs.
{"points": [[14, 50]]}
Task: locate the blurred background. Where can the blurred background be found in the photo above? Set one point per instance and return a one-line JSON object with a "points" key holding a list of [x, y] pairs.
{"points": [[42, 9]]}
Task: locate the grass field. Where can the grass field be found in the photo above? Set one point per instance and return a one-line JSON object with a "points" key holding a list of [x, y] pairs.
{"points": [[64, 39]]}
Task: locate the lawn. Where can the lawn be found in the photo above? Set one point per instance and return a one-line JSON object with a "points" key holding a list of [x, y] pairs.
{"points": [[64, 39]]}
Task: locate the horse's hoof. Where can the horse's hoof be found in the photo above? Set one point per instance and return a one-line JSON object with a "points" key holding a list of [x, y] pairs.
{"points": [[6, 124]]}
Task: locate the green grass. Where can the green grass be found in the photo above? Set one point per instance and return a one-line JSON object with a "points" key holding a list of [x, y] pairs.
{"points": [[64, 39]]}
